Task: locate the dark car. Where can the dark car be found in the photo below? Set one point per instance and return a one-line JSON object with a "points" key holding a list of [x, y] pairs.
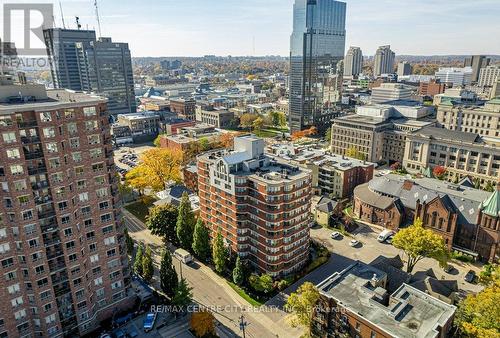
{"points": [[470, 277]]}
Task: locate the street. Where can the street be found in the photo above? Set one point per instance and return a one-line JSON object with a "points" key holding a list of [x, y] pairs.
{"points": [[211, 290]]}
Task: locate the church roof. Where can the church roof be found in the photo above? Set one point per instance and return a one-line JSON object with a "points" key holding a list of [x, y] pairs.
{"points": [[491, 206]]}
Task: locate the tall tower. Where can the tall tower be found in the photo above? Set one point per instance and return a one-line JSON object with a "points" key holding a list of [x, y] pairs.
{"points": [[317, 44], [353, 62], [383, 61]]}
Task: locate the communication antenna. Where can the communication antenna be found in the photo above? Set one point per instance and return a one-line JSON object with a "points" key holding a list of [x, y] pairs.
{"points": [[97, 17], [78, 22], [62, 15]]}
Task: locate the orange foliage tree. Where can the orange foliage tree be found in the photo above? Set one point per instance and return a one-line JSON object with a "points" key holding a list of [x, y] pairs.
{"points": [[304, 133], [202, 323]]}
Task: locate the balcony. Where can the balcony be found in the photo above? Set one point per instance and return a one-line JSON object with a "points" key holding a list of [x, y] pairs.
{"points": [[33, 155], [46, 214], [30, 139], [51, 242], [39, 185], [43, 199], [41, 169], [27, 124]]}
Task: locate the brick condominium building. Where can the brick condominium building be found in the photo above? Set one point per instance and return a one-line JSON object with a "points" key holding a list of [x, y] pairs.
{"points": [[259, 205], [63, 264]]}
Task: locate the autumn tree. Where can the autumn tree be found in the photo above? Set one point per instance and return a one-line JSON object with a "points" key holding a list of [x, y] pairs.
{"points": [[353, 152], [147, 265], [201, 241], [185, 223], [301, 304], [490, 274], [258, 123], [168, 276], [247, 120], [304, 133], [478, 315], [138, 261], [226, 140], [278, 119], [417, 243], [157, 167], [219, 253], [439, 172], [162, 221], [202, 323]]}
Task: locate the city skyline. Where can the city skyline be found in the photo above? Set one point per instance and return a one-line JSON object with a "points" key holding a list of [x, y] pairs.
{"points": [[264, 26]]}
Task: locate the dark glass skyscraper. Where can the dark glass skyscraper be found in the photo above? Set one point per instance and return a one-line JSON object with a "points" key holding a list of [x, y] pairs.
{"points": [[317, 44]]}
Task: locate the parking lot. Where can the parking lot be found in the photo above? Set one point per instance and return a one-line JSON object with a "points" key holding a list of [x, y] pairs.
{"points": [[128, 157]]}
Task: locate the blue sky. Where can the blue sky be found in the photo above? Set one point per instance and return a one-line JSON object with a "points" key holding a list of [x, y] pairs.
{"points": [[229, 27]]}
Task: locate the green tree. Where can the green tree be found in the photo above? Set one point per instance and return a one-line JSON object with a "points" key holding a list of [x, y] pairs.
{"points": [[278, 119], [238, 272], [490, 274], [156, 142], [183, 295], [328, 134], [353, 152], [201, 241], [246, 120], [168, 276], [148, 268], [263, 283], [489, 187], [138, 261], [258, 123], [129, 242], [162, 222], [478, 315], [185, 223], [417, 243], [302, 303], [219, 253]]}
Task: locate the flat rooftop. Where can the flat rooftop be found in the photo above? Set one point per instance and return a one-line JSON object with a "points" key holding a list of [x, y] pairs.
{"points": [[409, 313], [139, 116]]}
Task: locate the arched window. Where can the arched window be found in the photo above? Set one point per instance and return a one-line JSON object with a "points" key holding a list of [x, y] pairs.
{"points": [[433, 221]]}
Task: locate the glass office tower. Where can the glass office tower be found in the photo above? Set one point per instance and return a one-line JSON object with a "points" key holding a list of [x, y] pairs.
{"points": [[317, 44]]}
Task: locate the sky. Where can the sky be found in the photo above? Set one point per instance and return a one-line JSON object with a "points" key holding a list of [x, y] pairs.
{"points": [[263, 27]]}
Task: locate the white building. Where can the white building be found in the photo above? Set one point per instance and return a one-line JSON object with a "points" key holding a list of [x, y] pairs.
{"points": [[457, 76], [488, 76], [390, 92], [353, 62]]}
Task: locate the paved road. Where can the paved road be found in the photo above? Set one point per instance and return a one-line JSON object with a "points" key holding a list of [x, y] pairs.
{"points": [[211, 290]]}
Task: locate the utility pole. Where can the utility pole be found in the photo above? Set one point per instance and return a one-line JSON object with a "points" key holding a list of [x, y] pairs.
{"points": [[243, 325]]}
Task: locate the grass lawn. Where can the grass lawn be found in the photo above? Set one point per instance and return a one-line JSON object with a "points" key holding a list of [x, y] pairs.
{"points": [[244, 295], [140, 209], [265, 133]]}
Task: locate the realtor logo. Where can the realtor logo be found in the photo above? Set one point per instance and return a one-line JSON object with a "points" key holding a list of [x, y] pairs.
{"points": [[32, 19]]}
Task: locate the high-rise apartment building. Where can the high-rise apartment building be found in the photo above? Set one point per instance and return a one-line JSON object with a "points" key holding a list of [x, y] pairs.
{"points": [[456, 76], [317, 44], [63, 261], [404, 68], [259, 205], [353, 62], [476, 62], [62, 55], [488, 76], [80, 62], [383, 62], [106, 68]]}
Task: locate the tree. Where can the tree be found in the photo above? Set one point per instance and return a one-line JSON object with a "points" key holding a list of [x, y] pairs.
{"points": [[396, 166], [353, 152], [157, 167], [417, 243], [302, 303], [258, 123], [157, 140], [226, 140], [328, 135], [489, 187], [439, 172], [490, 274], [183, 295], [148, 268], [162, 222], [263, 283], [278, 119], [138, 261], [202, 323], [238, 272], [168, 276], [219, 253], [247, 119], [201, 241], [304, 133], [185, 223], [478, 315], [129, 242]]}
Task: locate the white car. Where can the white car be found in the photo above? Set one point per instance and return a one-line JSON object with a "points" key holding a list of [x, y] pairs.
{"points": [[335, 234], [353, 242], [385, 235]]}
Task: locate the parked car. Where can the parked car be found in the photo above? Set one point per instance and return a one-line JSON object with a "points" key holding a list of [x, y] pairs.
{"points": [[384, 235], [470, 276], [149, 321], [353, 242], [389, 239], [184, 256], [448, 268], [335, 234]]}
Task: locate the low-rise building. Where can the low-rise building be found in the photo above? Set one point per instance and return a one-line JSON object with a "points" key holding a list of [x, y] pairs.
{"points": [[175, 125], [482, 119], [488, 76], [431, 88], [468, 219], [355, 303], [259, 205], [121, 134], [219, 117], [458, 94], [143, 126], [189, 135], [461, 153], [391, 92], [185, 108], [325, 210], [190, 177]]}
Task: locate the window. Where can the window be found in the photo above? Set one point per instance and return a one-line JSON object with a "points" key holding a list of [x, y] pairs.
{"points": [[5, 247], [51, 147], [105, 218], [14, 288], [89, 111], [83, 197], [3, 233], [72, 129], [98, 281], [13, 153], [20, 314], [102, 192], [17, 301], [74, 143], [93, 139], [94, 258], [49, 132], [9, 137], [77, 157], [108, 240], [50, 319], [90, 125], [45, 117], [16, 169]]}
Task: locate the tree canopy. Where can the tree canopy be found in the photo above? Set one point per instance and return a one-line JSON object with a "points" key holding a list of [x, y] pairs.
{"points": [[202, 323], [238, 272], [162, 222], [201, 241], [418, 242], [168, 276], [302, 303], [147, 265], [185, 223], [156, 167], [353, 152], [247, 120], [183, 295], [263, 283], [219, 253], [138, 261]]}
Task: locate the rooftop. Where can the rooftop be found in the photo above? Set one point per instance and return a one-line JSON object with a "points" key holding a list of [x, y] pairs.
{"points": [[410, 313], [448, 135], [139, 116]]}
